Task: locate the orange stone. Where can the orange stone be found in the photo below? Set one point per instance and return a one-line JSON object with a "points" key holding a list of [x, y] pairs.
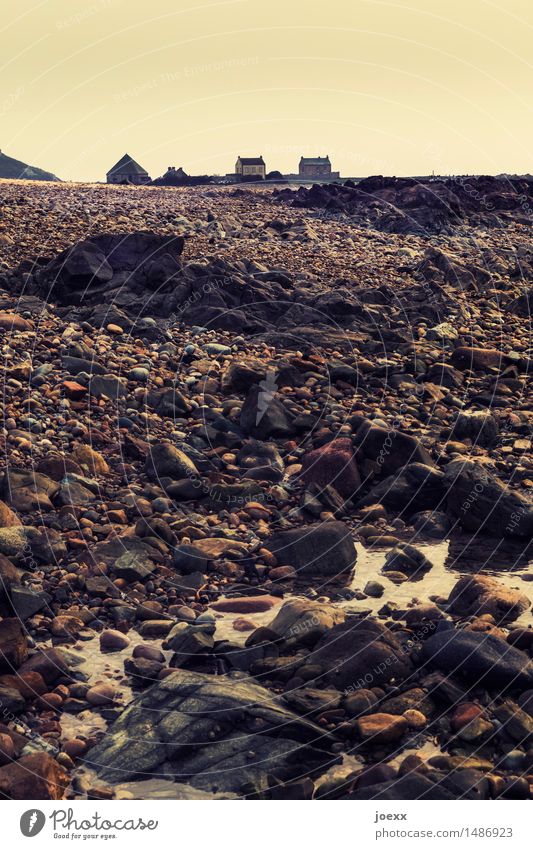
{"points": [[465, 713], [74, 390]]}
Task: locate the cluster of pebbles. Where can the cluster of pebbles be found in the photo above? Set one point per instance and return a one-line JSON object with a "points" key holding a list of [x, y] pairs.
{"points": [[265, 501]]}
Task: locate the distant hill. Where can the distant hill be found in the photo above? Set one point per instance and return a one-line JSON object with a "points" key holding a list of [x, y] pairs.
{"points": [[13, 169]]}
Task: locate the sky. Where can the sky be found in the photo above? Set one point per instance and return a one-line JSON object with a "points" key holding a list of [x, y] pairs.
{"points": [[394, 88]]}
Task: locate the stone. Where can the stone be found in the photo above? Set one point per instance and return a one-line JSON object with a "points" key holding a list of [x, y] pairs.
{"points": [[324, 548], [480, 426], [102, 693], [13, 322], [165, 460], [481, 502], [8, 518], [516, 723], [390, 449], [477, 595], [333, 464], [410, 489], [484, 658], [133, 566], [407, 559], [111, 640], [432, 523], [13, 645], [478, 359], [11, 699], [263, 415], [107, 386], [188, 641], [244, 604], [379, 728], [374, 589], [51, 663], [10, 578], [359, 702], [360, 653], [203, 729], [34, 776], [27, 491], [74, 390], [90, 459], [414, 785], [302, 622]]}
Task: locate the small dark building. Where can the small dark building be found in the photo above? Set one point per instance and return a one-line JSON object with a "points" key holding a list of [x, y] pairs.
{"points": [[317, 166], [127, 170]]}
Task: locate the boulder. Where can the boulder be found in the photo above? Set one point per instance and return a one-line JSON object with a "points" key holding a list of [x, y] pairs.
{"points": [[8, 519], [414, 487], [13, 645], [481, 502], [479, 359], [28, 491], [407, 559], [92, 460], [302, 622], [200, 729], [34, 776], [476, 595], [165, 460], [480, 426], [359, 653], [263, 415], [480, 658], [324, 548], [390, 449], [414, 785], [333, 464], [82, 274]]}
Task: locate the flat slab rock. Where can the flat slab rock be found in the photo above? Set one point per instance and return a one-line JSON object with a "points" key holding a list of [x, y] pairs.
{"points": [[215, 733], [159, 788]]}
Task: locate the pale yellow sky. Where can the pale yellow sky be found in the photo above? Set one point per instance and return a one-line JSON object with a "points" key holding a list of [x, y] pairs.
{"points": [[402, 87]]}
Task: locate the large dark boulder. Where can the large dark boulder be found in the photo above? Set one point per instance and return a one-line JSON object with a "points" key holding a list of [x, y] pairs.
{"points": [[481, 502], [390, 448], [414, 785], [136, 261], [359, 654], [479, 658], [324, 548], [201, 729], [263, 415], [415, 487]]}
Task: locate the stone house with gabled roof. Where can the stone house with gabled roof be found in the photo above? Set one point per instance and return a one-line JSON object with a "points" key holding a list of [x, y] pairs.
{"points": [[250, 166], [127, 170], [316, 166]]}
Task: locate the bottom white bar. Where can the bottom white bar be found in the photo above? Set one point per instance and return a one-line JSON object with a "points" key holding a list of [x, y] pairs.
{"points": [[267, 825]]}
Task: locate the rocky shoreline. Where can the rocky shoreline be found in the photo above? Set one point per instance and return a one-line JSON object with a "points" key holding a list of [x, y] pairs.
{"points": [[265, 499]]}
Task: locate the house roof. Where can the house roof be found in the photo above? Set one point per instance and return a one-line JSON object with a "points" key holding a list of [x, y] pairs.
{"points": [[251, 160], [315, 160], [127, 165]]}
